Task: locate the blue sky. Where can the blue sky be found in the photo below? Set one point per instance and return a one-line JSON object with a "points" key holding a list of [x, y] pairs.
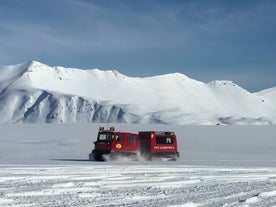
{"points": [[205, 40]]}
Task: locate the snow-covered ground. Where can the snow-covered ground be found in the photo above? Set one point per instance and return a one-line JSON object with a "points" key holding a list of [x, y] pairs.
{"points": [[136, 185], [47, 165]]}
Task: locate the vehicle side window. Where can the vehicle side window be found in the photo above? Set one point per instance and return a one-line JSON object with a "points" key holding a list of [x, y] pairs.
{"points": [[164, 140], [131, 138], [119, 138]]}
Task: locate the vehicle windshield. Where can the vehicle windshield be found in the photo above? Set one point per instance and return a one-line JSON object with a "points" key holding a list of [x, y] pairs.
{"points": [[105, 137]]}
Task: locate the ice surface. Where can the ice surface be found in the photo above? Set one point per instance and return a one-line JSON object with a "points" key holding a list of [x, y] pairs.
{"points": [[200, 145]]}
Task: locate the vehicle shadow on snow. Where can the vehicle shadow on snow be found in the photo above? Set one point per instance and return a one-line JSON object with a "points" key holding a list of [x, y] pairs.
{"points": [[74, 160]]}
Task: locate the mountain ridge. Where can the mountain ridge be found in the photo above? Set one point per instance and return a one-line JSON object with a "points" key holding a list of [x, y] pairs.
{"points": [[34, 92]]}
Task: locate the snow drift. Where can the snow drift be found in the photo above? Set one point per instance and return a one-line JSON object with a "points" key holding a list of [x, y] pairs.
{"points": [[36, 93]]}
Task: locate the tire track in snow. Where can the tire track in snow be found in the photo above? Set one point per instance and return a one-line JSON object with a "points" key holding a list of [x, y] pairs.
{"points": [[141, 185]]}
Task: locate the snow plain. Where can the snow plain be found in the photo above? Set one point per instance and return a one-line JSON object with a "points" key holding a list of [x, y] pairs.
{"points": [[46, 165]]}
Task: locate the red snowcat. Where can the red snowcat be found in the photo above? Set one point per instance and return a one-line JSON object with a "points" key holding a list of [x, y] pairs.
{"points": [[111, 144]]}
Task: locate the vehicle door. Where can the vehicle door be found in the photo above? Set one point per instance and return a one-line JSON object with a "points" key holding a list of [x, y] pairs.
{"points": [[133, 144]]}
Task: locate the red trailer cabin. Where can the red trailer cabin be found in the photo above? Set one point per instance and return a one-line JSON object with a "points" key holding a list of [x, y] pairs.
{"points": [[112, 143], [158, 144]]}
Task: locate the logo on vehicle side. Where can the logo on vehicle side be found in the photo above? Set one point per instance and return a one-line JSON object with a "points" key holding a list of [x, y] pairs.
{"points": [[118, 146], [164, 147]]}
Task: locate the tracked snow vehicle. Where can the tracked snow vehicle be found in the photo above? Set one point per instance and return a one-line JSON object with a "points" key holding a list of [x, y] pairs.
{"points": [[114, 144], [111, 144]]}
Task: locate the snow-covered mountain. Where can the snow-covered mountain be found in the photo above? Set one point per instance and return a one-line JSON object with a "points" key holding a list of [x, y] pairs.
{"points": [[36, 93]]}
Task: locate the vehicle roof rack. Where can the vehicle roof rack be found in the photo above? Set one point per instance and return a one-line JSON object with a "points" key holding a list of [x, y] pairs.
{"points": [[110, 129], [159, 132]]}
